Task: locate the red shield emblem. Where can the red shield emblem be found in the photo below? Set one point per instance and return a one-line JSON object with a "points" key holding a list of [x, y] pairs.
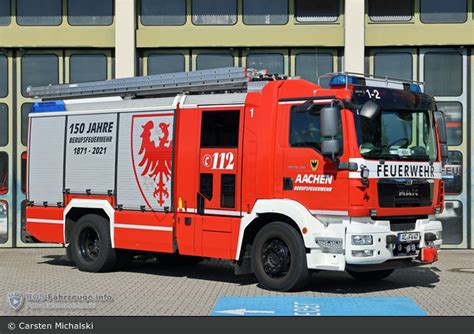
{"points": [[152, 147]]}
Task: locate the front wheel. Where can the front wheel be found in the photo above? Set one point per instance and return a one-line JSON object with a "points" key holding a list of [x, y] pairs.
{"points": [[279, 258], [370, 275]]}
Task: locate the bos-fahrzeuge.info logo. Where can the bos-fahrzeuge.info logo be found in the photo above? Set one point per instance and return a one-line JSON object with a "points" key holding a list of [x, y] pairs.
{"points": [[16, 300], [56, 301]]}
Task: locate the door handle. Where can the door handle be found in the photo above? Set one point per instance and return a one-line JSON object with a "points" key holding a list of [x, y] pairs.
{"points": [[287, 183]]}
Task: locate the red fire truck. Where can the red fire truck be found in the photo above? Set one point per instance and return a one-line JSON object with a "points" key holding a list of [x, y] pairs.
{"points": [[278, 175]]}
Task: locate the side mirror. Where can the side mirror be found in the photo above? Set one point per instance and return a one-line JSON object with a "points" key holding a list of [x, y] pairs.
{"points": [[442, 134], [369, 110], [330, 118]]}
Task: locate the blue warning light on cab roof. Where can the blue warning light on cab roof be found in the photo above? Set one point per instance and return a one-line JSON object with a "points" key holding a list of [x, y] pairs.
{"points": [[341, 80], [52, 106]]}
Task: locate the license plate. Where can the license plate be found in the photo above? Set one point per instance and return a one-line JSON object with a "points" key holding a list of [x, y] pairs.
{"points": [[407, 237]]}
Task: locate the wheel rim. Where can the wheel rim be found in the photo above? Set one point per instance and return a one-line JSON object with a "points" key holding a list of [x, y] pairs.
{"points": [[89, 244], [276, 258]]}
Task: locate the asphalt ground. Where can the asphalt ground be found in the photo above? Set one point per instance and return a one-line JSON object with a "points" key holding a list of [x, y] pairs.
{"points": [[50, 285]]}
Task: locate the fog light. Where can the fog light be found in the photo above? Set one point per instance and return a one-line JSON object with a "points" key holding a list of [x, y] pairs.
{"points": [[362, 240], [437, 211], [362, 253]]}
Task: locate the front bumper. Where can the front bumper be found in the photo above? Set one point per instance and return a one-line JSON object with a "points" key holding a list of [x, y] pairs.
{"points": [[334, 249]]}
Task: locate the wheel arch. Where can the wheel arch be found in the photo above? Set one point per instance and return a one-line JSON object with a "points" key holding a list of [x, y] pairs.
{"points": [[81, 207], [267, 211]]}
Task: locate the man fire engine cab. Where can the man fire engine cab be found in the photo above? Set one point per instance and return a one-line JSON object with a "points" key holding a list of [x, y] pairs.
{"points": [[278, 175]]}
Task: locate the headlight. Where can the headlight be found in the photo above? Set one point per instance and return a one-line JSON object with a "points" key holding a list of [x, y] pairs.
{"points": [[362, 240], [363, 253]]}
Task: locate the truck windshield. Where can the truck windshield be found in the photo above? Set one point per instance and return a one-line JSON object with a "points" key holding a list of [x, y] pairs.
{"points": [[398, 135]]}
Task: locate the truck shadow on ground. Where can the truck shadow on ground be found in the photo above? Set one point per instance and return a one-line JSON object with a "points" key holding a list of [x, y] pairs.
{"points": [[334, 283]]}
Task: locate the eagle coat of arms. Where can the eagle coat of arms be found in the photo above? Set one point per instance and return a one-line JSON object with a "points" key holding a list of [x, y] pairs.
{"points": [[152, 153]]}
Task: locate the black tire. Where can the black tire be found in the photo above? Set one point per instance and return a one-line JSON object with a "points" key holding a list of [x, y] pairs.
{"points": [[370, 275], [177, 260], [91, 245], [279, 258]]}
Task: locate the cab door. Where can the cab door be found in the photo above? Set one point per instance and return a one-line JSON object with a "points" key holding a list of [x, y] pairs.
{"points": [[219, 199], [220, 161], [308, 177]]}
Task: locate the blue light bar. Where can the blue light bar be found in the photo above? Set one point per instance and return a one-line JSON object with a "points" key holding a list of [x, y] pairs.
{"points": [[48, 106], [340, 80], [414, 88]]}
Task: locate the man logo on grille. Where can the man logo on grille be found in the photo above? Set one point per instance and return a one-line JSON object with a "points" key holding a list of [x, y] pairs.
{"points": [[15, 300]]}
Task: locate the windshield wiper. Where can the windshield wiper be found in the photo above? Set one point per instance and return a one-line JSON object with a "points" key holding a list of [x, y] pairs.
{"points": [[382, 156]]}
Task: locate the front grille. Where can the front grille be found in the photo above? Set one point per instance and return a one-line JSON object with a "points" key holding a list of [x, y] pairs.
{"points": [[395, 193], [395, 227], [403, 223]]}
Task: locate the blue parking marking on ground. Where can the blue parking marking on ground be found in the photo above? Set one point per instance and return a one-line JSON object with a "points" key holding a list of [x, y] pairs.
{"points": [[316, 306]]}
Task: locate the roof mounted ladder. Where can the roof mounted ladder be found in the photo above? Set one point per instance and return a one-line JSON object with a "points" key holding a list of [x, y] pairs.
{"points": [[222, 79]]}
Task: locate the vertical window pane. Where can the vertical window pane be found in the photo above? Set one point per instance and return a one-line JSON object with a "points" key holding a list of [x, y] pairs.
{"points": [[453, 173], [394, 64], [214, 12], [87, 67], [163, 12], [273, 62], [443, 73], [220, 128], [206, 185], [3, 222], [39, 70], [228, 190], [38, 13], [3, 76], [5, 12], [23, 172], [432, 11], [451, 219], [453, 113], [3, 124], [3, 173], [25, 236], [165, 63], [90, 12], [265, 12], [25, 110], [310, 66], [386, 11], [316, 10], [206, 61]]}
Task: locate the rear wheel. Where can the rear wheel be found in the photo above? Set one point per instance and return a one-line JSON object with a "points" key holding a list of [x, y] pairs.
{"points": [[91, 246], [279, 258], [370, 275]]}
